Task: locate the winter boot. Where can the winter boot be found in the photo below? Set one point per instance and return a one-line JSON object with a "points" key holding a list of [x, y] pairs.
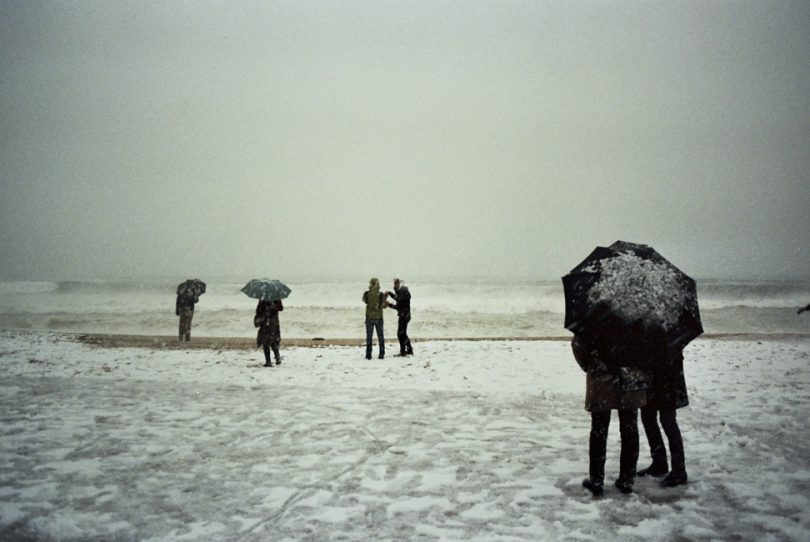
{"points": [[674, 478], [597, 489], [624, 485], [655, 469]]}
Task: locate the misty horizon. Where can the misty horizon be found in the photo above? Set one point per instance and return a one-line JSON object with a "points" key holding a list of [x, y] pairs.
{"points": [[415, 139]]}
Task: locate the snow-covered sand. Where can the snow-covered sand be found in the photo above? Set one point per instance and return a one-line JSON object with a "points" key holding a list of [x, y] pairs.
{"points": [[464, 441]]}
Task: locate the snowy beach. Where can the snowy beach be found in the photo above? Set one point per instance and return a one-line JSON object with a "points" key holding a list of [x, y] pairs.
{"points": [[468, 440]]}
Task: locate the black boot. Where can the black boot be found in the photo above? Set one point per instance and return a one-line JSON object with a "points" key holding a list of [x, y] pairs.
{"points": [[624, 485], [597, 489], [674, 478], [655, 469]]}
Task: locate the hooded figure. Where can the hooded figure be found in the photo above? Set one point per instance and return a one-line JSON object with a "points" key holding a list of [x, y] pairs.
{"points": [[375, 303]]}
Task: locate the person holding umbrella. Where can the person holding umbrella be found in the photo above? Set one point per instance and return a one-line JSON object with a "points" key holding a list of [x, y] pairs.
{"points": [[667, 394], [269, 334], [375, 303], [610, 386], [188, 294], [269, 293]]}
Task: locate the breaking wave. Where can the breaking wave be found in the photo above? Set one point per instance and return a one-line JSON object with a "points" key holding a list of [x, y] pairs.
{"points": [[463, 308]]}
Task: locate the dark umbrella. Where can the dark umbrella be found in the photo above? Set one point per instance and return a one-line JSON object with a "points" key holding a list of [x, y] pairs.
{"points": [[266, 289], [191, 288], [634, 287]]}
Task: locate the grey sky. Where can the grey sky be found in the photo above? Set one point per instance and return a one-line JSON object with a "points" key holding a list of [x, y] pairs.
{"points": [[417, 138]]}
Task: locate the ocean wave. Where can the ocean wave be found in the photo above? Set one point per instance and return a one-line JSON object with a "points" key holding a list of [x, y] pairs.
{"points": [[111, 286], [719, 295], [27, 287]]}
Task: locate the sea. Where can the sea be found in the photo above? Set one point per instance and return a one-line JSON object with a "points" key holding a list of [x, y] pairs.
{"points": [[333, 308]]}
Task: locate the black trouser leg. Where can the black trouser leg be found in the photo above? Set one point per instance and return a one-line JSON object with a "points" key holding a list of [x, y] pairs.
{"points": [[402, 334], [628, 426], [597, 446], [266, 353], [669, 422], [658, 452]]}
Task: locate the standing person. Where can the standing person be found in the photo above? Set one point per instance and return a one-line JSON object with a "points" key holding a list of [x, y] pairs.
{"points": [[269, 334], [375, 303], [610, 388], [667, 394], [184, 308], [402, 297]]}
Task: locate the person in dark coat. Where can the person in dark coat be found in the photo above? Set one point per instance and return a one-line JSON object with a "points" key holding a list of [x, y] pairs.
{"points": [[184, 308], [610, 386], [269, 334], [402, 303], [667, 394], [375, 303]]}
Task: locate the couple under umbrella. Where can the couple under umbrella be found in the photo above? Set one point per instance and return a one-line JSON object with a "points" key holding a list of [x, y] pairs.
{"points": [[632, 312], [269, 293]]}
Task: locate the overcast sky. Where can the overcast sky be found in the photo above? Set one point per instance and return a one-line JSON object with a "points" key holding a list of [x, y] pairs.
{"points": [[402, 137]]}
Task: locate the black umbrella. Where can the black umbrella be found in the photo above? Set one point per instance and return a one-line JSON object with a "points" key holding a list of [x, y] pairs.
{"points": [[266, 289], [635, 288], [191, 288]]}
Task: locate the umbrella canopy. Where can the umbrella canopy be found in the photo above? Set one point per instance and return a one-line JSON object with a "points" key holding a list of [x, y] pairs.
{"points": [[191, 288], [633, 286], [266, 289]]}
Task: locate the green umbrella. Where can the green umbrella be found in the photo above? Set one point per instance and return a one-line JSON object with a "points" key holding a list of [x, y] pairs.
{"points": [[191, 288], [268, 289]]}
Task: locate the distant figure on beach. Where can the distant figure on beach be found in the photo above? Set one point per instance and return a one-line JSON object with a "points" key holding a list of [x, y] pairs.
{"points": [[666, 394], [375, 303], [184, 308], [610, 387], [402, 297], [269, 334], [803, 309]]}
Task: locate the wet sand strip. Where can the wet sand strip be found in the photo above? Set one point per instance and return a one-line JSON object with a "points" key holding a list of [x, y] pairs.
{"points": [[169, 342]]}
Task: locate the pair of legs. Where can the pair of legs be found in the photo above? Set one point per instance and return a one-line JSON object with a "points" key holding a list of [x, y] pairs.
{"points": [[669, 421], [371, 325], [185, 324], [597, 450], [405, 348], [267, 347]]}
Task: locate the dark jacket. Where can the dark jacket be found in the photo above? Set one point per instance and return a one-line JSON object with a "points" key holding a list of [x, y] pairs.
{"points": [[668, 390], [266, 319], [403, 300], [608, 386], [184, 304]]}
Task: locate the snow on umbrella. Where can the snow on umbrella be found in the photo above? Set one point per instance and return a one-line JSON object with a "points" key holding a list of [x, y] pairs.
{"points": [[266, 289], [634, 284], [191, 288]]}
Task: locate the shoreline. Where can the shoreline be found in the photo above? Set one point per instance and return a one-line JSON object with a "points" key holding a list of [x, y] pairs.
{"points": [[170, 342]]}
